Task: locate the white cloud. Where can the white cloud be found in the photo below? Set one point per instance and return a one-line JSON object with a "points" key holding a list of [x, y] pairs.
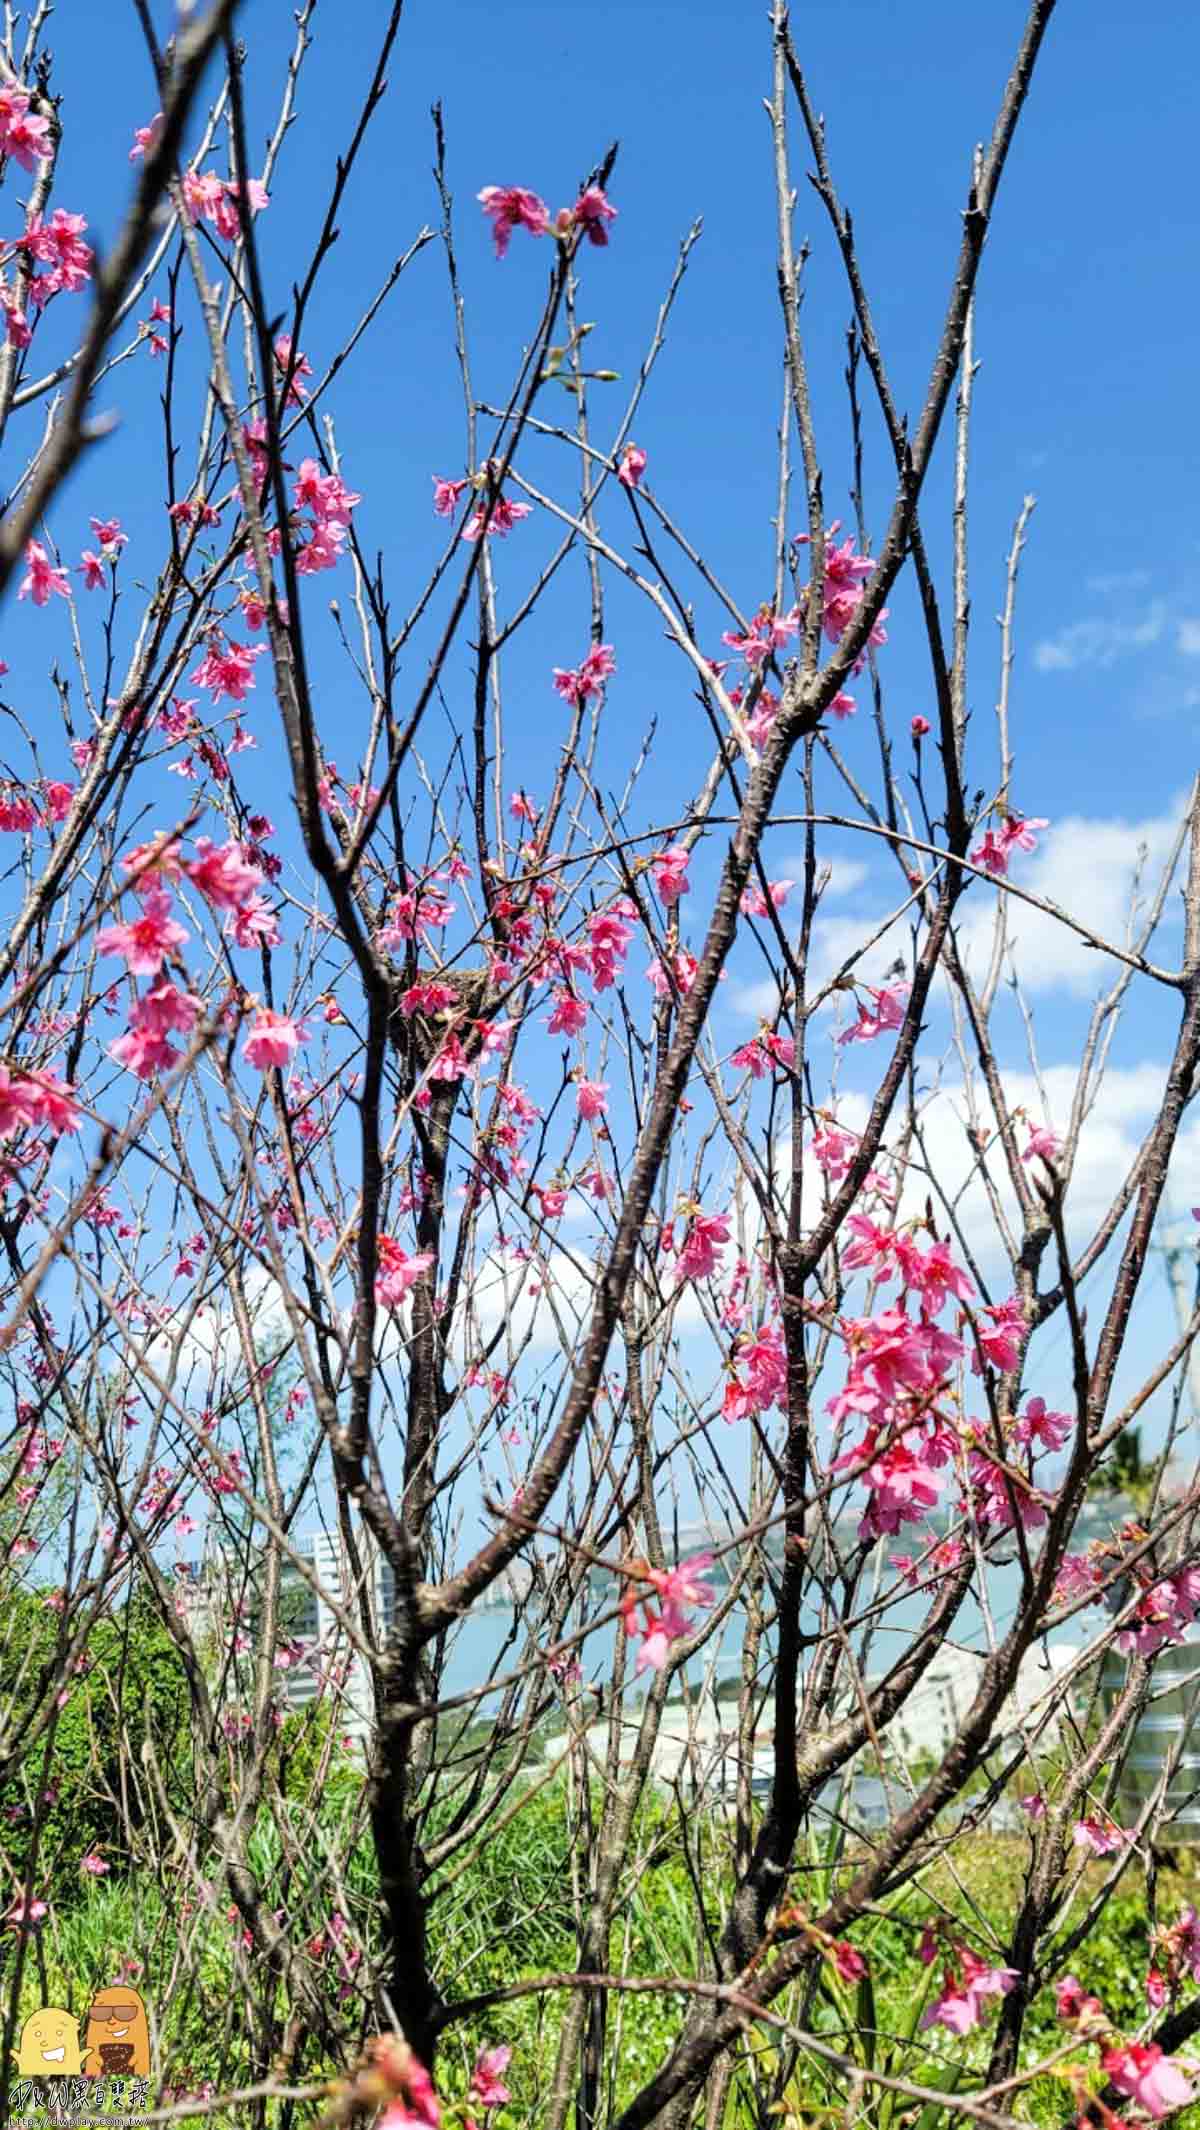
{"points": [[1120, 580], [1087, 866], [1124, 1107], [1187, 640], [1100, 641], [845, 874]]}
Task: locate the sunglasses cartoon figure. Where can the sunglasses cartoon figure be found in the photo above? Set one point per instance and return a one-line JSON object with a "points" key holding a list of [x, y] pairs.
{"points": [[118, 2037]]}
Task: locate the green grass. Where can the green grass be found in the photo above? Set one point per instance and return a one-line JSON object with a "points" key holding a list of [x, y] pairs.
{"points": [[506, 1912]]}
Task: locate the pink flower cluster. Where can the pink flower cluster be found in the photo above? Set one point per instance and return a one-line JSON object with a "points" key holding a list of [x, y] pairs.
{"points": [[1140, 2070], [845, 579], [397, 1273], [768, 633], [705, 1236], [679, 1590], [1164, 1613], [897, 1368], [35, 1099], [229, 882], [273, 1040], [227, 669], [58, 246], [762, 1382], [766, 1052], [414, 2105], [512, 207], [23, 135], [43, 578], [578, 686], [501, 518], [487, 2086], [670, 868], [1153, 2080], [215, 199], [330, 502], [998, 844], [967, 1983], [884, 1012]]}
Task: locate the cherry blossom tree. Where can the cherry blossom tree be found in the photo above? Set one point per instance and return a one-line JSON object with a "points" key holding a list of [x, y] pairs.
{"points": [[377, 1164]]}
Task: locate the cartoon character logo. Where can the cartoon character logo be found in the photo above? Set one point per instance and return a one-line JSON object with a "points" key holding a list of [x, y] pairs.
{"points": [[49, 2046], [118, 2037]]}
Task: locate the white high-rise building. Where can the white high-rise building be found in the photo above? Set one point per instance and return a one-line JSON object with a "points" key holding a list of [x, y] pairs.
{"points": [[328, 1658]]}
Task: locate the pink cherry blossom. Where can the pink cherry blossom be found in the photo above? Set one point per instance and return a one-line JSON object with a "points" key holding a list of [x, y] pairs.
{"points": [[755, 904], [699, 1255], [94, 1865], [417, 2106], [1037, 1425], [25, 1914], [273, 1040], [1042, 1145], [17, 329], [487, 2083], [768, 632], [579, 685], [1101, 1837], [227, 669], [845, 577], [299, 366], [965, 1986], [569, 1016], [503, 516], [592, 1099], [681, 976], [512, 207], [1074, 2006], [109, 537], [146, 138], [592, 213], [151, 939], [1155, 2081], [833, 1149], [159, 1013], [680, 1590], [226, 877], [446, 495], [632, 466], [43, 577], [397, 1272], [160, 314], [451, 1062], [1164, 1613], [764, 1053], [1000, 1341], [23, 135], [58, 245], [216, 200], [885, 1012], [670, 873]]}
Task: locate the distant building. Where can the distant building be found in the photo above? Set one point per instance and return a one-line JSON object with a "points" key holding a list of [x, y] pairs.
{"points": [[327, 1659], [314, 1654]]}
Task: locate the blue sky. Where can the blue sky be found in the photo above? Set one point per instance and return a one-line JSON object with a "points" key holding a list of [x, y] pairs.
{"points": [[1086, 336]]}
